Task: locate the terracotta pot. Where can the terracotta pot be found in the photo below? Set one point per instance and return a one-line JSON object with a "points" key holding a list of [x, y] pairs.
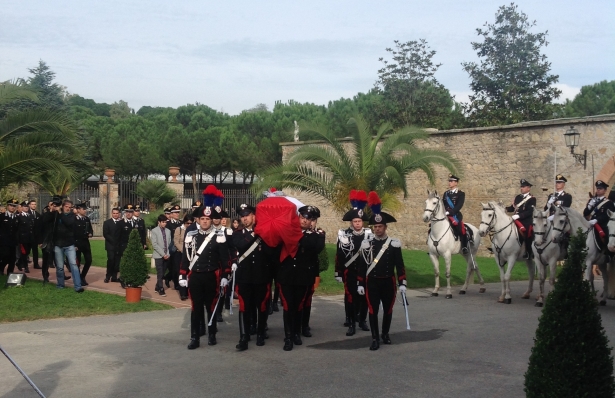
{"points": [[110, 173], [133, 294], [173, 172], [316, 282]]}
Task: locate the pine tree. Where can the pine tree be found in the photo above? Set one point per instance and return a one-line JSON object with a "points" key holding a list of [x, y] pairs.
{"points": [[571, 356], [134, 264]]}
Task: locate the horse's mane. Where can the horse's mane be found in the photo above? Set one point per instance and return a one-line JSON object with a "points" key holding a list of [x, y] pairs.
{"points": [[572, 213], [497, 206]]}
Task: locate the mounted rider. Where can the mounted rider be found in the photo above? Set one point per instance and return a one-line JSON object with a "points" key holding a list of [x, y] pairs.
{"points": [[597, 208], [523, 207], [453, 202], [559, 197]]}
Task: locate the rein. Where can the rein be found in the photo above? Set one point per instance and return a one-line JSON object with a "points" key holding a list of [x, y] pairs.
{"points": [[432, 218], [494, 233], [540, 250]]}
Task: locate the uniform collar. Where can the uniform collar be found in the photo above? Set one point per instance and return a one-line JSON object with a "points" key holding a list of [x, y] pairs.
{"points": [[558, 193], [453, 190], [207, 231], [359, 233], [385, 237]]}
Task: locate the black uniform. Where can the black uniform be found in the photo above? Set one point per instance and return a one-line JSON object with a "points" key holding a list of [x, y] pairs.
{"points": [[562, 198], [8, 241], [348, 244], [599, 212], [295, 275], [307, 306], [140, 225], [38, 230], [83, 233], [457, 199], [204, 278], [176, 255], [253, 283], [381, 285], [25, 238], [526, 217], [111, 233]]}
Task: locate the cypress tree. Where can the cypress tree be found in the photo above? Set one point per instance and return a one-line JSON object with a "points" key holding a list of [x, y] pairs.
{"points": [[134, 264], [571, 356]]}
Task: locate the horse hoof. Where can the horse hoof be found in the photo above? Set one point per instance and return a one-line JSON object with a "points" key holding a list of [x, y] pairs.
{"points": [[449, 296], [602, 303], [482, 290], [508, 301], [538, 305], [434, 294], [525, 296], [462, 292]]}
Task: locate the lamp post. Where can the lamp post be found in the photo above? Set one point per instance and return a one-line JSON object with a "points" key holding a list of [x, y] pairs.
{"points": [[572, 138]]}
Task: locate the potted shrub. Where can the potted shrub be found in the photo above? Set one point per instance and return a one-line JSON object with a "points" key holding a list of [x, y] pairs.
{"points": [[134, 267]]}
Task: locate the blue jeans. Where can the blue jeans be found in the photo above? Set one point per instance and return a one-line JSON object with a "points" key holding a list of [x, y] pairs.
{"points": [[71, 255]]}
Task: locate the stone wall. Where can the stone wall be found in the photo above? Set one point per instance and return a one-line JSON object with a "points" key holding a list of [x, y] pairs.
{"points": [[493, 161]]}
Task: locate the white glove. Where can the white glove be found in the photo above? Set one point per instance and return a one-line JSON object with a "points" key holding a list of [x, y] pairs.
{"points": [[550, 218], [183, 282], [446, 213], [402, 289], [551, 200], [234, 267], [339, 279], [515, 217], [593, 222], [223, 282], [361, 290]]}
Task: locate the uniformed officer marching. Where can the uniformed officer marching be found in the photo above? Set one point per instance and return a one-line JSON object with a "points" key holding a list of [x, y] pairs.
{"points": [[252, 273], [453, 200], [383, 258], [296, 274], [8, 236], [205, 269], [523, 206], [38, 230], [25, 236], [228, 232], [172, 225], [83, 233], [597, 208], [306, 330], [559, 197], [348, 260]]}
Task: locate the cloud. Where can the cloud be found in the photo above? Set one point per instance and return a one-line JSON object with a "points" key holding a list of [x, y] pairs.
{"points": [[568, 92]]}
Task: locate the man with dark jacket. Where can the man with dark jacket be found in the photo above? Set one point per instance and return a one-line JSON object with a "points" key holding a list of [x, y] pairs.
{"points": [[8, 236], [36, 218], [111, 235], [64, 245], [25, 236], [83, 233]]}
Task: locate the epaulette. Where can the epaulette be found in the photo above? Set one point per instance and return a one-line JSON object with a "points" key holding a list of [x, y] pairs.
{"points": [[395, 243], [192, 233]]}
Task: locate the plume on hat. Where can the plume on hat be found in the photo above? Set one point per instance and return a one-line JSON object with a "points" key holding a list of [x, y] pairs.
{"points": [[209, 195], [374, 202], [219, 198], [358, 199]]}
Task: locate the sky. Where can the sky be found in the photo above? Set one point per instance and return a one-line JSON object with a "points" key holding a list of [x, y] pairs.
{"points": [[233, 55]]}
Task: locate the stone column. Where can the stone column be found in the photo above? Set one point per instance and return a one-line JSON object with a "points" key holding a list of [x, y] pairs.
{"points": [[109, 195], [173, 184]]}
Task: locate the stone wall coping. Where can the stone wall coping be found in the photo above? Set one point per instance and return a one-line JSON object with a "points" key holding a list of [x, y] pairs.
{"points": [[553, 122]]}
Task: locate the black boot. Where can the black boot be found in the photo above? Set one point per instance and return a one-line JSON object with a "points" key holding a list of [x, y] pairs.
{"points": [[464, 243], [260, 340], [194, 337], [288, 333], [363, 326], [373, 322], [243, 336], [211, 340], [261, 328], [351, 329], [386, 326], [306, 330], [202, 329]]}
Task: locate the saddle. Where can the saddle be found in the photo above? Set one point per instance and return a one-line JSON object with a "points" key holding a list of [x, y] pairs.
{"points": [[464, 230]]}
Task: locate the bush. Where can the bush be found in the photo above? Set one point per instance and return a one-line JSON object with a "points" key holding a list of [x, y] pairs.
{"points": [[323, 260], [571, 356], [134, 266], [151, 219]]}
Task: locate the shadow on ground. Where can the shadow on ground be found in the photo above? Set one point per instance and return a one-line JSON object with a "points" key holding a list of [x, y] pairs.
{"points": [[396, 338]]}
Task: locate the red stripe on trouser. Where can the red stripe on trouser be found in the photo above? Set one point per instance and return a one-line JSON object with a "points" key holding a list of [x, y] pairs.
{"points": [[189, 295], [394, 295], [217, 296], [303, 300], [369, 304], [309, 295], [463, 228], [346, 290], [282, 298], [265, 302], [240, 297]]}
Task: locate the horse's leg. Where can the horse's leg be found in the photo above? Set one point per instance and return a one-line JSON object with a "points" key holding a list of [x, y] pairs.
{"points": [[542, 269], [603, 266], [531, 272], [474, 267], [447, 261], [510, 265], [436, 270], [502, 280], [469, 274]]}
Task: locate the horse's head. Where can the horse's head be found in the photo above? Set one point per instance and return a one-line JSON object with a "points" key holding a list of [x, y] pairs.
{"points": [[561, 223], [540, 225], [611, 227], [487, 219], [431, 205]]}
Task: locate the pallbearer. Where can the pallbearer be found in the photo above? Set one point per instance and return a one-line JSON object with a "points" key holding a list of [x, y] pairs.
{"points": [[205, 268], [348, 260], [306, 330], [383, 256]]}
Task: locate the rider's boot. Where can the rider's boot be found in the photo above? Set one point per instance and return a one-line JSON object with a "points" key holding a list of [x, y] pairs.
{"points": [[463, 238]]}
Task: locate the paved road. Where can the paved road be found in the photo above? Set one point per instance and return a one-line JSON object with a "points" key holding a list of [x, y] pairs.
{"points": [[466, 347]]}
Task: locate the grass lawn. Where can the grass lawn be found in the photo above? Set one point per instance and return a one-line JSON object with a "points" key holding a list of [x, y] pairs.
{"points": [[38, 301]]}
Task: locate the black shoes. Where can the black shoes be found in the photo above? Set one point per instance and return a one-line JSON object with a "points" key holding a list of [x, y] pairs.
{"points": [[161, 292], [114, 279], [212, 340], [297, 340], [36, 266], [351, 330], [464, 250], [306, 332], [122, 284], [242, 346], [183, 298], [166, 282], [363, 326], [260, 340], [67, 277], [45, 280], [106, 280], [347, 322], [194, 343], [80, 290], [386, 339], [375, 345], [252, 330], [288, 344], [27, 270], [83, 282]]}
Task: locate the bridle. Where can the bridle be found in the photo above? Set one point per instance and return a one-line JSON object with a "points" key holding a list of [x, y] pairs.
{"points": [[432, 218], [491, 233], [434, 211], [546, 242], [563, 229]]}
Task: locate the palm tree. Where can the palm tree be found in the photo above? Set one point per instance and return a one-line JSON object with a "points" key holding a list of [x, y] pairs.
{"points": [[368, 162], [36, 142]]}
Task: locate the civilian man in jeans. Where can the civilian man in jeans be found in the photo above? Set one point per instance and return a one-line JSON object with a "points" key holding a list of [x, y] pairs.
{"points": [[64, 245], [161, 244]]}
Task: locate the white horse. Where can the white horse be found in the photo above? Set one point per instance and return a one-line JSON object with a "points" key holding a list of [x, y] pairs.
{"points": [[549, 251], [594, 256], [441, 242], [505, 245]]}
